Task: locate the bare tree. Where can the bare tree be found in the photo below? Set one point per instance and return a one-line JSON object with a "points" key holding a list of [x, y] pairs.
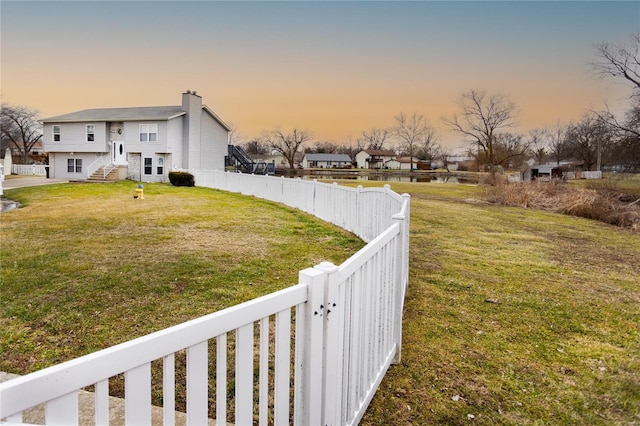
{"points": [[481, 119], [428, 147], [538, 142], [235, 138], [559, 148], [631, 124], [257, 146], [323, 148], [625, 150], [620, 61], [413, 132], [20, 128], [375, 138], [288, 144], [588, 139], [443, 153], [511, 150]]}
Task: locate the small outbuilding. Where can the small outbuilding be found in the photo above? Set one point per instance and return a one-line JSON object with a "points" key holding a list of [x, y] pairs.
{"points": [[544, 172]]}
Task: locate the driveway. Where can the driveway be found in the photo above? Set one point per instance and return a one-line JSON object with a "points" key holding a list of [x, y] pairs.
{"points": [[21, 182]]}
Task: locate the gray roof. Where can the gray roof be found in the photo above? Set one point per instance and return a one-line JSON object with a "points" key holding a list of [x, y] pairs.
{"points": [[328, 157], [120, 114]]}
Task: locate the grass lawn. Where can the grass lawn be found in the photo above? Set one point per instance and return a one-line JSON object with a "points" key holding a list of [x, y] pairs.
{"points": [[513, 316], [85, 266]]}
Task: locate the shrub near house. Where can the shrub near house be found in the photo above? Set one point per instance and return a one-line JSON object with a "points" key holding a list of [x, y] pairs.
{"points": [[181, 179]]}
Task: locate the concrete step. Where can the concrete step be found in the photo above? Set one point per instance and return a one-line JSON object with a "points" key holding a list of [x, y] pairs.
{"points": [[86, 408]]}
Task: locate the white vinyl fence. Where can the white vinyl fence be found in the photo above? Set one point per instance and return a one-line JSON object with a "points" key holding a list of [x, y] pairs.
{"points": [[592, 175], [311, 354], [28, 169]]}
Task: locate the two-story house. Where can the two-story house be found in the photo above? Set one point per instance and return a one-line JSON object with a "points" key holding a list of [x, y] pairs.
{"points": [[374, 158], [139, 143]]}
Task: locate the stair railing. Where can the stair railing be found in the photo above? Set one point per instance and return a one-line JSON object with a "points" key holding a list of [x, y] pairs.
{"points": [[104, 162], [242, 157], [100, 162]]}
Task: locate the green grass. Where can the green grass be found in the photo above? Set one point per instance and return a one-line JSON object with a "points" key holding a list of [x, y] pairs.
{"points": [[85, 266], [513, 316]]}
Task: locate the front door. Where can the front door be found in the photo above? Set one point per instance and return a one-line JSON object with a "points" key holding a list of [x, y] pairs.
{"points": [[118, 154]]}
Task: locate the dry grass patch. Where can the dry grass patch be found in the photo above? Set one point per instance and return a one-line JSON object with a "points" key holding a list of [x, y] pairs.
{"points": [[602, 204]]}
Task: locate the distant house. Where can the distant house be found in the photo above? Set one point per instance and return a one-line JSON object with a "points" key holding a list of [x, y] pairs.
{"points": [[373, 159], [401, 163], [326, 161], [139, 143]]}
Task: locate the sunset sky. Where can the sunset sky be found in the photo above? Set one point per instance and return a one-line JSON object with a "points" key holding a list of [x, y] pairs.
{"points": [[334, 68]]}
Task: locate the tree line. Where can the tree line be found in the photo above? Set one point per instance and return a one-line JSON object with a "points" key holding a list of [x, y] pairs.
{"points": [[413, 135], [482, 119]]}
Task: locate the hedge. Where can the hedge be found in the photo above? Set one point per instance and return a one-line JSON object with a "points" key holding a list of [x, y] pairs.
{"points": [[181, 179]]}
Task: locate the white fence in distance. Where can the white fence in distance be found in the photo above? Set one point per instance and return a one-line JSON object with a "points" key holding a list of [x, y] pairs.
{"points": [[313, 353], [364, 211], [28, 169], [592, 174]]}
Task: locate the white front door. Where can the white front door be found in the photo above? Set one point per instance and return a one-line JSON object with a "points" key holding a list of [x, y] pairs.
{"points": [[118, 153]]}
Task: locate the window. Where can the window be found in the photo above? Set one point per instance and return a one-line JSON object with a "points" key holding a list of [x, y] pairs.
{"points": [[160, 166], [148, 132], [56, 133], [148, 166], [91, 132], [74, 165]]}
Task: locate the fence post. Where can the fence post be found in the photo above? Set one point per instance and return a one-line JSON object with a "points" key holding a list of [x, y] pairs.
{"points": [[405, 236], [357, 225], [309, 359], [402, 273], [333, 320]]}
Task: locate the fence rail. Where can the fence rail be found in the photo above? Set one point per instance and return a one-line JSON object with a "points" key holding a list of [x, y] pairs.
{"points": [[313, 353]]}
